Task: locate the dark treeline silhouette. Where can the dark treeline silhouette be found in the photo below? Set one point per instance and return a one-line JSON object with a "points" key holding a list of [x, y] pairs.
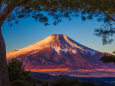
{"points": [[17, 75], [108, 59], [12, 10]]}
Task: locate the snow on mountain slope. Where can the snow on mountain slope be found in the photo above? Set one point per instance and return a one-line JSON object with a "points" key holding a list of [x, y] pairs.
{"points": [[58, 42], [58, 51]]}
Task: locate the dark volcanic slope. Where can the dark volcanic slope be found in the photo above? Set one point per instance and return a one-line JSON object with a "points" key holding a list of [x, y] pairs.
{"points": [[58, 51]]}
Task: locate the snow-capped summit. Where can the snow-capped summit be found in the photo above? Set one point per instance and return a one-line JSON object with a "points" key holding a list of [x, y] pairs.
{"points": [[58, 51], [57, 42], [60, 42]]}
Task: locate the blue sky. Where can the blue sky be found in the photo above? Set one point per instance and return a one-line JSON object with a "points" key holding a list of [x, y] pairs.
{"points": [[28, 31]]}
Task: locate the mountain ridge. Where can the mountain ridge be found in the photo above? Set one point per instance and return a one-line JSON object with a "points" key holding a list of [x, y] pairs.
{"points": [[57, 38], [60, 53]]}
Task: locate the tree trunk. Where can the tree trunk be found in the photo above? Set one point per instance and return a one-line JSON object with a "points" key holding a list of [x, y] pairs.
{"points": [[4, 79]]}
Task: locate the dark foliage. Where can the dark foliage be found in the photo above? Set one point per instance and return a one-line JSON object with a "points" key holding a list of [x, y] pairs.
{"points": [[62, 81], [103, 10], [17, 75], [108, 59]]}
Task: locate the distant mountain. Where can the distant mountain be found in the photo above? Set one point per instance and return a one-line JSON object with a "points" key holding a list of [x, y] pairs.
{"points": [[58, 51]]}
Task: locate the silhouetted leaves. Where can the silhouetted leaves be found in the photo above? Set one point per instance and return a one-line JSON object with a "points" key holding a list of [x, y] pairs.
{"points": [[108, 59], [17, 75], [114, 52], [105, 34], [103, 10]]}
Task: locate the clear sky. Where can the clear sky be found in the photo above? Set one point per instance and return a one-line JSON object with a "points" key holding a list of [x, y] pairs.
{"points": [[28, 31]]}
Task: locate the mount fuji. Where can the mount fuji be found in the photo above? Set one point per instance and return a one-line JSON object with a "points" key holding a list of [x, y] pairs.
{"points": [[58, 53]]}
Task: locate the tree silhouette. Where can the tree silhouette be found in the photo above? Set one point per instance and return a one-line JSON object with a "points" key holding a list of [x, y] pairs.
{"points": [[17, 75], [12, 10], [108, 59]]}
